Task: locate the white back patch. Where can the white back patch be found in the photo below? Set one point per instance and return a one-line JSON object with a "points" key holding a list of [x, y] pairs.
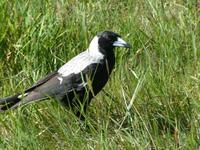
{"points": [[80, 62]]}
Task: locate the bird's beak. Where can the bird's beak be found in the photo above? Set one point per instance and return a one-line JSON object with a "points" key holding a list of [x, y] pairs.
{"points": [[121, 43]]}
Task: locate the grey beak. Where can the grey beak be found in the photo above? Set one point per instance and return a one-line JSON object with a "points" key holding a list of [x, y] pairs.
{"points": [[121, 43]]}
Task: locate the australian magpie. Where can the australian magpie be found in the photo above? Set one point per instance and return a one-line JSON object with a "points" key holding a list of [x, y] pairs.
{"points": [[77, 81]]}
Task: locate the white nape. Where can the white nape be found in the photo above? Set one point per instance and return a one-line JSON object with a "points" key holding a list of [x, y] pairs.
{"points": [[80, 62], [94, 49]]}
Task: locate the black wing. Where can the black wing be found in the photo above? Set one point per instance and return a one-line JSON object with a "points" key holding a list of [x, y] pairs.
{"points": [[42, 81], [52, 87], [56, 86]]}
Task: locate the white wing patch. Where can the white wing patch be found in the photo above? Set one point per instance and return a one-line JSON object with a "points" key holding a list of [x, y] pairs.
{"points": [[60, 79], [80, 62], [22, 95]]}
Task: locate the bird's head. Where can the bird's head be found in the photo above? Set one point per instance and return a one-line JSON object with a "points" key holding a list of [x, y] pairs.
{"points": [[106, 41], [109, 39]]}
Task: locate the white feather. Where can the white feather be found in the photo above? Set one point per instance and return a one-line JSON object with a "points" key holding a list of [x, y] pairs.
{"points": [[84, 59], [60, 79], [22, 95]]}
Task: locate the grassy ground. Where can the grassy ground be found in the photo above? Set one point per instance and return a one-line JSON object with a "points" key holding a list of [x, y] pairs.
{"points": [[152, 98]]}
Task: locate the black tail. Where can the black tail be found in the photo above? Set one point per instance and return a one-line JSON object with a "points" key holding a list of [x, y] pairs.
{"points": [[8, 102]]}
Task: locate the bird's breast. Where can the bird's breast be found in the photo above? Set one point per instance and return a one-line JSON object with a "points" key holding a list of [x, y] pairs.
{"points": [[101, 75]]}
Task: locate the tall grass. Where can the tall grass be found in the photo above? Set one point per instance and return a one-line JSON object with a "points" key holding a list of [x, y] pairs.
{"points": [[152, 99]]}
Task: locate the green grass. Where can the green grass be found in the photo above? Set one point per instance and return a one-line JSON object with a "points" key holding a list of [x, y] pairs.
{"points": [[152, 98]]}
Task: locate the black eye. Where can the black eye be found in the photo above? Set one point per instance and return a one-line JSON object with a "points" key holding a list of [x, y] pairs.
{"points": [[111, 40], [108, 36]]}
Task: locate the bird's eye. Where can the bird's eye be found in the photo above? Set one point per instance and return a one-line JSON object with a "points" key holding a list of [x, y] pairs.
{"points": [[111, 40]]}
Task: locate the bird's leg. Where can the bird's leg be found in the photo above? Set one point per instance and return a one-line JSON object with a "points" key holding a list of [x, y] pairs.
{"points": [[80, 116], [82, 112]]}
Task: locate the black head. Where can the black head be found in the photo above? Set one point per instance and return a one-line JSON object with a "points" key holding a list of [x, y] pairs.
{"points": [[108, 40]]}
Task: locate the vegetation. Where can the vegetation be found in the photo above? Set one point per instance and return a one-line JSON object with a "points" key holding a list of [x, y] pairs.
{"points": [[152, 99]]}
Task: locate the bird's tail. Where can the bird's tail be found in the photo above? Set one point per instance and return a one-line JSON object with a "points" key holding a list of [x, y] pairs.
{"points": [[8, 102]]}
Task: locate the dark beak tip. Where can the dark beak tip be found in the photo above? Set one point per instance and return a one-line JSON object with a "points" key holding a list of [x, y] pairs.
{"points": [[128, 46]]}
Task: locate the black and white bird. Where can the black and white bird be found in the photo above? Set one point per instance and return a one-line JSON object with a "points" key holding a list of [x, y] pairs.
{"points": [[77, 81]]}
